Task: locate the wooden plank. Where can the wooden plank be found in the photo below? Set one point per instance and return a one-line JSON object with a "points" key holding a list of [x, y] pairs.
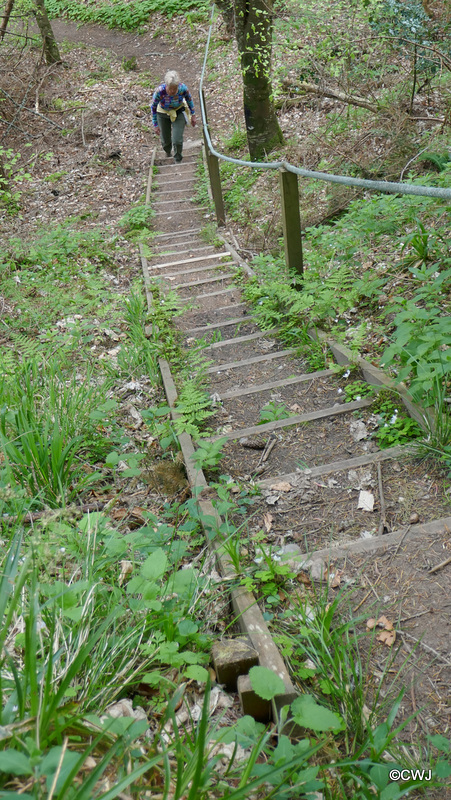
{"points": [[237, 340], [191, 271], [181, 252], [198, 269], [263, 387], [311, 416], [254, 360], [214, 176], [363, 546], [178, 180], [194, 259], [235, 321], [189, 231], [223, 277], [208, 295], [177, 211], [343, 464], [291, 221]]}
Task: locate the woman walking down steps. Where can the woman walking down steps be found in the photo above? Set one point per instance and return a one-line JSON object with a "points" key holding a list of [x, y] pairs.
{"points": [[170, 104]]}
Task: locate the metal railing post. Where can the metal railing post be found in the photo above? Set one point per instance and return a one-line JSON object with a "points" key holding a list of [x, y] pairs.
{"points": [[291, 221], [215, 178]]}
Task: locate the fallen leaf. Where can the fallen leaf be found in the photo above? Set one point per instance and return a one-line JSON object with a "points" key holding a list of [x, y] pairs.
{"points": [[295, 407], [366, 501], [371, 623], [383, 622], [358, 430], [336, 579], [386, 637], [282, 486], [126, 569], [272, 499], [268, 520]]}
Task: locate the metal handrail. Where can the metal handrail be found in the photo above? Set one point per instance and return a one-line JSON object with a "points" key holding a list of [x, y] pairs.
{"points": [[361, 183]]}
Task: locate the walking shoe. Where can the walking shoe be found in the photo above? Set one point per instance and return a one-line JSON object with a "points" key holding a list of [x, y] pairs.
{"points": [[168, 152], [177, 158]]}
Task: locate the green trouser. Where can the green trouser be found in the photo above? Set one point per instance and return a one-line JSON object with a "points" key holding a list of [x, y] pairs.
{"points": [[171, 133]]}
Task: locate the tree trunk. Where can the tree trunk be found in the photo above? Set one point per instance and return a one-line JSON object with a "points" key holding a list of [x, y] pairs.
{"points": [[6, 16], [253, 27], [51, 52]]}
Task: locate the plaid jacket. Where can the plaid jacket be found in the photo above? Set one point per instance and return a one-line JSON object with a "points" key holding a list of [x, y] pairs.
{"points": [[167, 101]]}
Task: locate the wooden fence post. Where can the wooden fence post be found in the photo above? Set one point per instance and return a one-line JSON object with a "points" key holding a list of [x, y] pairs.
{"points": [[291, 221], [215, 178]]}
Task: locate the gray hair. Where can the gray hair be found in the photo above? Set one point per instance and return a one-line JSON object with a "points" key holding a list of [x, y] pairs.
{"points": [[172, 78]]}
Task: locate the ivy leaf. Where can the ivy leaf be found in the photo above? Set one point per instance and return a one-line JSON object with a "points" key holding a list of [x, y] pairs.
{"points": [[266, 683], [308, 714]]}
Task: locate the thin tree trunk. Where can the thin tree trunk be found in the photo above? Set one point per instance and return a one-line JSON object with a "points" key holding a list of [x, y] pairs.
{"points": [[6, 16], [51, 51], [253, 27]]}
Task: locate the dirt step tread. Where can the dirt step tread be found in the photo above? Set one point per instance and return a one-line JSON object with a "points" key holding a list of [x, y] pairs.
{"points": [[340, 408], [223, 277], [339, 466], [237, 339], [264, 387], [225, 324], [253, 360]]}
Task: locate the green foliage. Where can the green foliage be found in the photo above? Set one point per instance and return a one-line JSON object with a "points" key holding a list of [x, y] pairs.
{"points": [[437, 419], [47, 420], [194, 407], [237, 141], [208, 454], [266, 683], [309, 714], [238, 183], [11, 177], [409, 23], [273, 411], [129, 64], [139, 353], [356, 390], [131, 15], [136, 221]]}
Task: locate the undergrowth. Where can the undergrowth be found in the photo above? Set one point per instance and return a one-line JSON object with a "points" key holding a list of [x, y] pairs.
{"points": [[122, 14]]}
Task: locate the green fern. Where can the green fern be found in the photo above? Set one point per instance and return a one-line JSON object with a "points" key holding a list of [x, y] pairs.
{"points": [[195, 407]]}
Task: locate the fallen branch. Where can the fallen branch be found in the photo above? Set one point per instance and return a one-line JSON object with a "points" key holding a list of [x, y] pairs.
{"points": [[22, 107], [383, 522], [34, 516], [440, 566], [302, 86]]}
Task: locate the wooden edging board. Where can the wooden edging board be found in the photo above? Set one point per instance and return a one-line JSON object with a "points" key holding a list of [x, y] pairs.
{"points": [[245, 607]]}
